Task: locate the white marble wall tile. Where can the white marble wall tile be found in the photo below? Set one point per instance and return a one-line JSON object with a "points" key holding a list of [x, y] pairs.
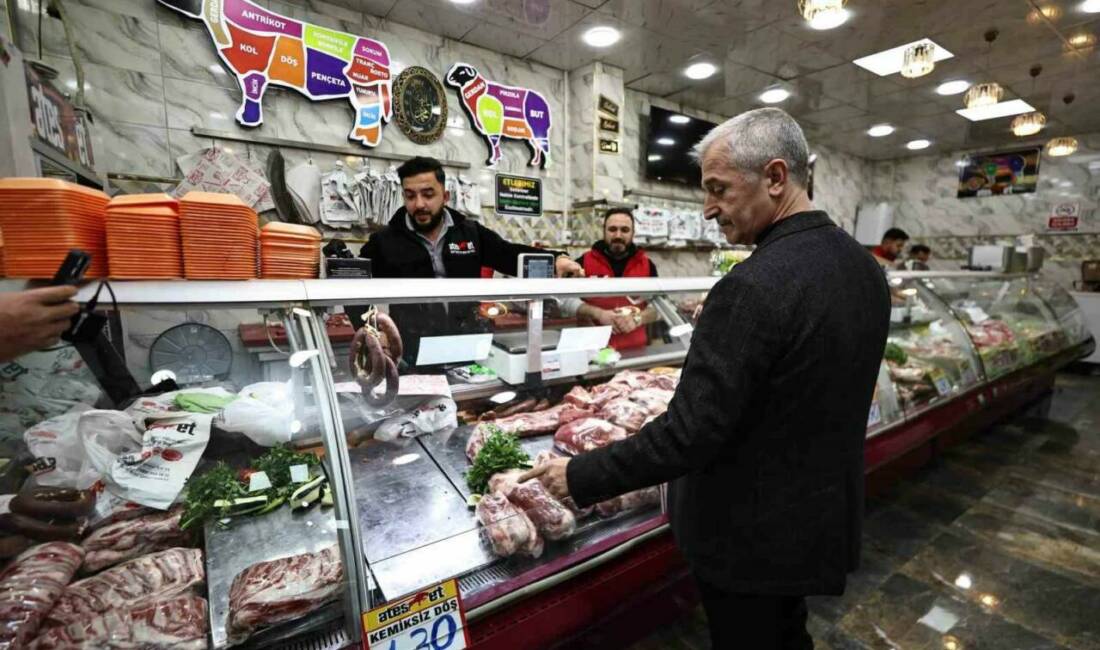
{"points": [[131, 148], [196, 104], [840, 183], [189, 54], [124, 95], [324, 14], [102, 37], [5, 30]]}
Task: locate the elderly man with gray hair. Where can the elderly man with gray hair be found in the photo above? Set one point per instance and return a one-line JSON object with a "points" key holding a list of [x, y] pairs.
{"points": [[763, 440]]}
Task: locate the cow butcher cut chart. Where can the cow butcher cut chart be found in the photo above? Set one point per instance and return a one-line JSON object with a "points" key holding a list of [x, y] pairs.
{"points": [[499, 111], [264, 48]]}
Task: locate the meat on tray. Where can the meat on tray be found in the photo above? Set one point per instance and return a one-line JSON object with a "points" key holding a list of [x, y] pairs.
{"points": [[29, 587], [503, 482], [509, 530], [553, 520], [605, 393], [587, 434], [541, 459], [630, 501], [529, 424], [178, 622], [280, 590], [625, 413], [654, 400], [157, 575], [579, 396], [126, 540]]}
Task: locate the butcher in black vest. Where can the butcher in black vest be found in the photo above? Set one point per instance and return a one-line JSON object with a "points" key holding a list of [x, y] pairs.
{"points": [[763, 441], [425, 239], [616, 256]]}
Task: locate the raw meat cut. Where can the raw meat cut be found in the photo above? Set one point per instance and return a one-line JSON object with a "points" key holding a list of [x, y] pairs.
{"points": [[30, 586], [126, 540], [508, 529], [280, 590], [633, 379], [579, 396], [476, 441], [529, 424], [625, 413], [503, 482], [179, 623], [665, 381], [631, 500], [551, 518], [604, 393], [655, 400], [587, 434], [157, 575]]}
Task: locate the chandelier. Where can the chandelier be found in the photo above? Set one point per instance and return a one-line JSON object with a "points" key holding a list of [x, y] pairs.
{"points": [[1028, 124], [1063, 146], [986, 94], [918, 60], [823, 14]]}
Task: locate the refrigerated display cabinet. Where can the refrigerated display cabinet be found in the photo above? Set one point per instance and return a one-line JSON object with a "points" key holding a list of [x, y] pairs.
{"points": [[403, 517]]}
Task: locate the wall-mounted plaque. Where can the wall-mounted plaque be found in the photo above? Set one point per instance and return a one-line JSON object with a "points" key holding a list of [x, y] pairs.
{"points": [[609, 124], [420, 105], [609, 107], [609, 145]]}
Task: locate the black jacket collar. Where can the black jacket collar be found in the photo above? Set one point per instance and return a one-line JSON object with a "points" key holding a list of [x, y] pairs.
{"points": [[795, 223]]}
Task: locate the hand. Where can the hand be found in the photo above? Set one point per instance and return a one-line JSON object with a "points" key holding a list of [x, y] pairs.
{"points": [[624, 323], [34, 319], [552, 475], [604, 317], [564, 267]]}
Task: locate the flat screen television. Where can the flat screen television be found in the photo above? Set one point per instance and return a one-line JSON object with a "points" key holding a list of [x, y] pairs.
{"points": [[1004, 172], [669, 139]]}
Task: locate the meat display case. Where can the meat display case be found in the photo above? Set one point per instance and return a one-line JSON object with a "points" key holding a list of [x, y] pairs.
{"points": [[965, 348]]}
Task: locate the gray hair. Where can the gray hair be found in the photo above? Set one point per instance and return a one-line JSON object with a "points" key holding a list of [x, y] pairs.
{"points": [[754, 138]]}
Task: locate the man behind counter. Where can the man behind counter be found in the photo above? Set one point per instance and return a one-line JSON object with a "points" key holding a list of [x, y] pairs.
{"points": [[616, 256], [425, 239], [893, 243]]}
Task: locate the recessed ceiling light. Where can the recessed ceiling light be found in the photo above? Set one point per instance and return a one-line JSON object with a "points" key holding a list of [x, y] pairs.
{"points": [[463, 2], [1090, 6], [602, 36], [653, 157], [830, 20], [668, 142], [700, 70], [993, 111], [890, 61], [916, 145], [880, 130], [774, 95], [679, 119], [953, 87]]}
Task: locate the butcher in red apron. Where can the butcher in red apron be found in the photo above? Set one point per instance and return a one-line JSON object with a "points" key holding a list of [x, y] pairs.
{"points": [[616, 256]]}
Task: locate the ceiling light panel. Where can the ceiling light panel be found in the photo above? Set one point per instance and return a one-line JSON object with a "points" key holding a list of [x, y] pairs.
{"points": [[890, 61], [1001, 109]]}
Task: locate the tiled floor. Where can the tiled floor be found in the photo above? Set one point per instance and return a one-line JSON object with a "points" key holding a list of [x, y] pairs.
{"points": [[995, 546]]}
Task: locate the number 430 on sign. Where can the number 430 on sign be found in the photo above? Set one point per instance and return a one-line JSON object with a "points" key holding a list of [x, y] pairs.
{"points": [[430, 619]]}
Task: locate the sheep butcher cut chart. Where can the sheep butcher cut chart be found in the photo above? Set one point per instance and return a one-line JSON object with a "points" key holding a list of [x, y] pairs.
{"points": [[498, 111], [264, 48]]}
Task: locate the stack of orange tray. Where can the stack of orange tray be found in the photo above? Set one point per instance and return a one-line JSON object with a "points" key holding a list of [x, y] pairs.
{"points": [[43, 218], [143, 237], [219, 234], [289, 251]]}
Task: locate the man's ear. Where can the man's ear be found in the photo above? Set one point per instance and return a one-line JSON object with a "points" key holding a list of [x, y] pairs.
{"points": [[776, 172]]}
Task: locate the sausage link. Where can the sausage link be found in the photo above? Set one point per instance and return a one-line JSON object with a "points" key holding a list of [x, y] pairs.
{"points": [[53, 503], [393, 337], [392, 386], [522, 407], [42, 531], [366, 359]]}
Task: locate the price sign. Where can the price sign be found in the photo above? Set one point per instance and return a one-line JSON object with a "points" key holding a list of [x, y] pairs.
{"points": [[875, 415], [942, 383], [431, 619], [54, 120]]}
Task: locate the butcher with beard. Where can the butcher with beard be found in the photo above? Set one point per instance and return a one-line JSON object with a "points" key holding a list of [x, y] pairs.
{"points": [[616, 256], [426, 239]]}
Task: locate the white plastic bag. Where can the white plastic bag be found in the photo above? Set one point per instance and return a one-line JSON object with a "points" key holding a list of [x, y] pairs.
{"points": [[264, 413], [436, 414], [59, 458], [164, 405], [148, 468]]}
